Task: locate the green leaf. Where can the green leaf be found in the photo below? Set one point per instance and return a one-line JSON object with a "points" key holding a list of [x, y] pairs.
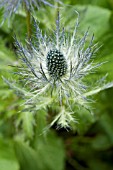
{"points": [[47, 154], [51, 152], [8, 159], [27, 122], [107, 124], [27, 157], [95, 18], [101, 142]]}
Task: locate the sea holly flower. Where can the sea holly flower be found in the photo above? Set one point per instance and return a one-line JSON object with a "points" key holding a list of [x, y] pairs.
{"points": [[53, 73], [12, 6]]}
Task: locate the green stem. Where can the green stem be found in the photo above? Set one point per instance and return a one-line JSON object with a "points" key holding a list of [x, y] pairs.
{"points": [[28, 22]]}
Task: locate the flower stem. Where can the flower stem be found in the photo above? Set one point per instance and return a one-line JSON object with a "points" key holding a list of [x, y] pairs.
{"points": [[28, 19], [28, 22]]}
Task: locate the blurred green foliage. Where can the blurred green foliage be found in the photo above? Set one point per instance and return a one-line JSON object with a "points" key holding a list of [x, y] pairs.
{"points": [[23, 145]]}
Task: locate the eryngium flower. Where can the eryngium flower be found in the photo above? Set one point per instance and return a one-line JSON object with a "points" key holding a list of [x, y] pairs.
{"points": [[12, 6], [53, 73]]}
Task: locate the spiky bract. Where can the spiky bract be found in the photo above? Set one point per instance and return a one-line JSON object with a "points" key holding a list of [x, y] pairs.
{"points": [[12, 6]]}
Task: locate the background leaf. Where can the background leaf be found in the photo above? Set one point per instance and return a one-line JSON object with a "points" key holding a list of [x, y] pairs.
{"points": [[8, 159]]}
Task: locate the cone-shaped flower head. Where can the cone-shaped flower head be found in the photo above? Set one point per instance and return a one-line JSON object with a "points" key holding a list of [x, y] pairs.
{"points": [[54, 70], [56, 64]]}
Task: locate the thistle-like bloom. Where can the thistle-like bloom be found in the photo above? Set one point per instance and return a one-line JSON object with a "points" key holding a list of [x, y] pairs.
{"points": [[12, 6], [54, 71]]}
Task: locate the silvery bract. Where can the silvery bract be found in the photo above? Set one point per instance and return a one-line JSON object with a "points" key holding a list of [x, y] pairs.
{"points": [[53, 73], [12, 6]]}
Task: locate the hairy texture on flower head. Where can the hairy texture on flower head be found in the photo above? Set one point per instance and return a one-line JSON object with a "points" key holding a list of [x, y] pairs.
{"points": [[54, 71], [12, 6]]}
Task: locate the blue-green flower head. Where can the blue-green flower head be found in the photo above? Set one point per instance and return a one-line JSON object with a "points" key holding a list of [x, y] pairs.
{"points": [[12, 6], [53, 72]]}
